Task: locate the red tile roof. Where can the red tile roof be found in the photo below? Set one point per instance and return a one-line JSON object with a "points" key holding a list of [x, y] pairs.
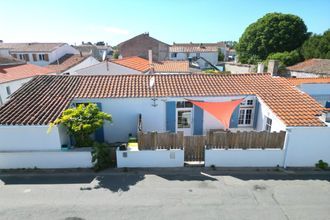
{"points": [[31, 47], [298, 81], [318, 66], [136, 63], [66, 62], [142, 65], [43, 99], [15, 72]]}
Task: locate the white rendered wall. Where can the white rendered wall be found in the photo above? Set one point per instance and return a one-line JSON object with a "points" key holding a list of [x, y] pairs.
{"points": [[244, 158], [307, 145], [90, 61], [303, 74], [45, 159], [14, 85], [212, 57], [106, 68], [264, 111], [237, 69], [150, 158], [125, 113], [25, 138]]}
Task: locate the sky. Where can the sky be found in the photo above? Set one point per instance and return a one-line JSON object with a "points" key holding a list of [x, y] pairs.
{"points": [[114, 21]]}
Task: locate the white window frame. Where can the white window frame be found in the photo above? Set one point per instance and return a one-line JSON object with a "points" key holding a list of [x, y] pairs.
{"points": [[269, 123], [244, 106], [41, 56]]}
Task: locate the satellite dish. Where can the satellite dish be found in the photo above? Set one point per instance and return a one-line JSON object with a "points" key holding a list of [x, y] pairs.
{"points": [[104, 55], [152, 82]]}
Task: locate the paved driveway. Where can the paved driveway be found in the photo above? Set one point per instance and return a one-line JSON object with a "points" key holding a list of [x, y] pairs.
{"points": [[188, 193]]}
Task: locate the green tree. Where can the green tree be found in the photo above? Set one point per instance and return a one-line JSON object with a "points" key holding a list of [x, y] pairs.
{"points": [[221, 57], [286, 58], [317, 46], [82, 121], [116, 54], [274, 32]]}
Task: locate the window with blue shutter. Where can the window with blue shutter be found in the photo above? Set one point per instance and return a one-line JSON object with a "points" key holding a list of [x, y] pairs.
{"points": [[99, 133], [234, 118], [170, 116], [198, 120], [256, 111]]}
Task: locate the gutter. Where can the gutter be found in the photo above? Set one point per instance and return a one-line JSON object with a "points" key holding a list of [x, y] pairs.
{"points": [[286, 144]]}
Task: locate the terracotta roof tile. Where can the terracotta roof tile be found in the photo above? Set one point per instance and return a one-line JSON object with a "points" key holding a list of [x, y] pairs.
{"points": [[191, 48], [318, 66], [31, 47], [136, 63], [15, 72], [43, 99], [66, 62], [298, 81]]}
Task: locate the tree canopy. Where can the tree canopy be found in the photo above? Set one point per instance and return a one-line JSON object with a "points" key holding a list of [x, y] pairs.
{"points": [[274, 32], [82, 121], [317, 46]]}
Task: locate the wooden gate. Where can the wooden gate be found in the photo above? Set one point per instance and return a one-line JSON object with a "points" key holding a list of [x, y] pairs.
{"points": [[194, 148]]}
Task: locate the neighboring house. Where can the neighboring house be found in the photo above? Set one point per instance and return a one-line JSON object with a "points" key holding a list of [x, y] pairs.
{"points": [[238, 68], [15, 73], [95, 51], [41, 54], [135, 65], [270, 104], [318, 88], [310, 68], [70, 63], [139, 46], [192, 52]]}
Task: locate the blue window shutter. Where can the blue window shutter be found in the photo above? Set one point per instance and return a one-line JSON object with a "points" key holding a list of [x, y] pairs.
{"points": [[327, 104], [99, 133], [256, 111], [198, 120], [234, 118], [170, 116]]}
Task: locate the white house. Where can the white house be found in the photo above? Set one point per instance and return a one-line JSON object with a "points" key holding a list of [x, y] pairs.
{"points": [[135, 65], [204, 54], [310, 68], [41, 54], [15, 73], [266, 104], [70, 63]]}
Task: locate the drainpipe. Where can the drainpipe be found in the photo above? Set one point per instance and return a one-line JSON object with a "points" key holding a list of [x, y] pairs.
{"points": [[286, 144]]}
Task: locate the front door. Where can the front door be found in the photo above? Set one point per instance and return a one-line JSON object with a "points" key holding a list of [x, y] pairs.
{"points": [[183, 120]]}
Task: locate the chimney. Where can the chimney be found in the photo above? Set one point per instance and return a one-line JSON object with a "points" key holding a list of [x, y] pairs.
{"points": [[150, 61], [273, 67], [261, 68]]}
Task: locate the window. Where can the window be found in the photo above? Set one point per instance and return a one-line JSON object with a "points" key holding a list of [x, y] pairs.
{"points": [[184, 105], [198, 55], [268, 126], [24, 57], [1, 101], [174, 55], [42, 57], [247, 103], [184, 119], [245, 117], [8, 90]]}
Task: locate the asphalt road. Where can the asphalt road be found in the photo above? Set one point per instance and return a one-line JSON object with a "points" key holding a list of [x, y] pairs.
{"points": [[189, 193]]}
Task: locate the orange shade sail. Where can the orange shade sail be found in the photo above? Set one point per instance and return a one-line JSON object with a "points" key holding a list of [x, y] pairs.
{"points": [[220, 110]]}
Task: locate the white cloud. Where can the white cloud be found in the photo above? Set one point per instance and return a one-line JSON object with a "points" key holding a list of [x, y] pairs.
{"points": [[115, 30]]}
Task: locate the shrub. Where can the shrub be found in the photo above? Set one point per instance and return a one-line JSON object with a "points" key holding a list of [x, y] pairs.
{"points": [[101, 157], [322, 165]]}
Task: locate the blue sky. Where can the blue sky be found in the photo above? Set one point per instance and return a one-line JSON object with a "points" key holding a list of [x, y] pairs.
{"points": [[170, 21]]}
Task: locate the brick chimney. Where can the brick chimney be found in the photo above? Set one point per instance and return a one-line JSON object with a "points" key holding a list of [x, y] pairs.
{"points": [[261, 68], [273, 67]]}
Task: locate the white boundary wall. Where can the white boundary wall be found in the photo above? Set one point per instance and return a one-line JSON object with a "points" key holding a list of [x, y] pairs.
{"points": [[150, 158], [45, 159], [307, 145], [244, 158], [25, 138]]}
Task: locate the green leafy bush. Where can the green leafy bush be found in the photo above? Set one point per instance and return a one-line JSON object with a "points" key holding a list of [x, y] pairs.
{"points": [[101, 157], [81, 122], [322, 165]]}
